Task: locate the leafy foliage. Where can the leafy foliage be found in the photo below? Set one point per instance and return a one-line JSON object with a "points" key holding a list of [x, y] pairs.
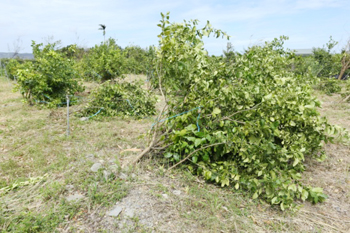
{"points": [[72, 51], [306, 65], [103, 62], [329, 86], [49, 79], [109, 61], [121, 99], [322, 63], [328, 63], [10, 67], [181, 54], [229, 53], [256, 122], [138, 60]]}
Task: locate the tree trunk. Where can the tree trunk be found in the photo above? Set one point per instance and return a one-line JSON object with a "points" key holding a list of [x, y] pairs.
{"points": [[342, 71], [345, 65]]}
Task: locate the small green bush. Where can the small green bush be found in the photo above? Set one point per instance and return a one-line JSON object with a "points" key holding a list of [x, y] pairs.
{"points": [[49, 79], [10, 67]]}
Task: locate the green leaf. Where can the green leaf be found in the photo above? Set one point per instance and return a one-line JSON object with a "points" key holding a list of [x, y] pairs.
{"points": [[191, 127], [282, 206], [268, 97], [237, 186], [296, 161], [225, 182], [176, 157], [292, 187], [216, 111], [304, 194], [274, 200], [197, 142], [168, 155], [317, 190], [194, 159], [207, 175], [205, 157], [182, 132], [191, 139]]}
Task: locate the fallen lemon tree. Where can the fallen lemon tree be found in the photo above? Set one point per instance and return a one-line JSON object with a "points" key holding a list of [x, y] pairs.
{"points": [[250, 124]]}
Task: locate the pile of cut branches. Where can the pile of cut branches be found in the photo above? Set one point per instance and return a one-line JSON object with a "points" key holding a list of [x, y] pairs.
{"points": [[248, 124]]}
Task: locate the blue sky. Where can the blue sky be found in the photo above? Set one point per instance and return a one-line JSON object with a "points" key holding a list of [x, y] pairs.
{"points": [[308, 23]]}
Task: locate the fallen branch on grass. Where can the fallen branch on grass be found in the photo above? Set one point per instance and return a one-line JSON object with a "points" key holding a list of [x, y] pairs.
{"points": [[133, 150], [346, 98]]}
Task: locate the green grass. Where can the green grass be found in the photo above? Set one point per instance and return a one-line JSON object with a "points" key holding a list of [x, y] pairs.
{"points": [[27, 221], [40, 167], [34, 143]]}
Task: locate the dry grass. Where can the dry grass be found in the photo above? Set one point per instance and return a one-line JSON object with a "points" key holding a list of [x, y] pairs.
{"points": [[33, 143]]}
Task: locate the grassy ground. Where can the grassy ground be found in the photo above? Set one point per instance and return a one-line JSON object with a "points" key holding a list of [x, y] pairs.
{"points": [[41, 168]]}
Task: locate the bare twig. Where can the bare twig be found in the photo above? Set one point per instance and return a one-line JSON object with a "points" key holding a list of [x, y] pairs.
{"points": [[160, 136], [162, 148], [227, 118], [236, 229], [189, 155], [160, 84], [346, 98]]}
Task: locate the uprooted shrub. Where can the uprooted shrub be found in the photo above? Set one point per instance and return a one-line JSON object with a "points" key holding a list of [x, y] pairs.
{"points": [[49, 78], [250, 124], [120, 99]]}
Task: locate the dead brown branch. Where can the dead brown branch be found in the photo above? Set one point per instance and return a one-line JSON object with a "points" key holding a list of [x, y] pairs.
{"points": [[346, 98]]}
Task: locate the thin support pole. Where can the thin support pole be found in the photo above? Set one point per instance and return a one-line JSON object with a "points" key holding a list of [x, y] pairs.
{"points": [[67, 96]]}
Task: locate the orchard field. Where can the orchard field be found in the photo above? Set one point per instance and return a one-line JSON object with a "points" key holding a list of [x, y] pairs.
{"points": [[48, 167], [169, 139]]}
